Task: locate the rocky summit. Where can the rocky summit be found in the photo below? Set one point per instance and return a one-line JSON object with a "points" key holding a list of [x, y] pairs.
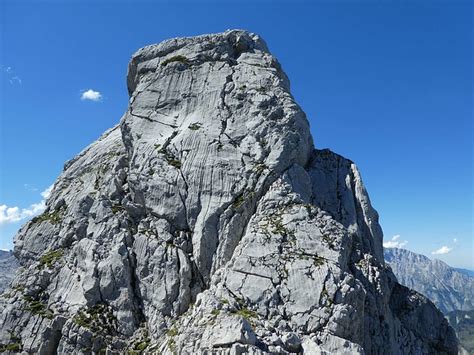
{"points": [[206, 222]]}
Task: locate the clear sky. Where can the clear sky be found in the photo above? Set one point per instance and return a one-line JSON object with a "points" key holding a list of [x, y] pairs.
{"points": [[387, 84]]}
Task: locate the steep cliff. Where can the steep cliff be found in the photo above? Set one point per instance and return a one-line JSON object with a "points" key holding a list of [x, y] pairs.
{"points": [[206, 220], [446, 287], [8, 266]]}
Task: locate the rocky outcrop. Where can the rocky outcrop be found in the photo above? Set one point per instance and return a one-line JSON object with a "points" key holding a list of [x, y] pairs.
{"points": [[446, 287], [8, 266], [207, 222]]}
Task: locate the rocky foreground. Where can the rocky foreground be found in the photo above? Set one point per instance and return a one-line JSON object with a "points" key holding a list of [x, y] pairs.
{"points": [[207, 221]]}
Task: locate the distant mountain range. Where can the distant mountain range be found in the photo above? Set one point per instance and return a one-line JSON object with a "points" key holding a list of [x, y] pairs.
{"points": [[466, 271], [450, 289], [8, 266]]}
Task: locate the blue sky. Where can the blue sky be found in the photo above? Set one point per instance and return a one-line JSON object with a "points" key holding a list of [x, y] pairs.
{"points": [[387, 84]]}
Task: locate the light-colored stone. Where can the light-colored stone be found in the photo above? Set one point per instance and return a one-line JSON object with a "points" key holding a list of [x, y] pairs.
{"points": [[206, 222], [8, 267], [229, 330]]}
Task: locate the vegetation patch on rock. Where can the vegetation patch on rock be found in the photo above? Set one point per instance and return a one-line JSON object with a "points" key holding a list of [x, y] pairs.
{"points": [[13, 346], [50, 258], [98, 319], [37, 307], [53, 217], [176, 58]]}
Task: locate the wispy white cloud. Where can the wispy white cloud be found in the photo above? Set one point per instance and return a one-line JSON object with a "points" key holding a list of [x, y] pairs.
{"points": [[395, 242], [455, 240], [15, 214], [91, 95], [15, 79], [9, 73], [46, 193], [443, 250], [30, 187]]}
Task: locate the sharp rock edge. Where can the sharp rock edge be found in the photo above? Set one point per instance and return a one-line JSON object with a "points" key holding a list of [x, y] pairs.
{"points": [[206, 222]]}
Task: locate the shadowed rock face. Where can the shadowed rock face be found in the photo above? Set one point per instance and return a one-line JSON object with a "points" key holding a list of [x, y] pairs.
{"points": [[448, 288], [206, 220], [463, 323]]}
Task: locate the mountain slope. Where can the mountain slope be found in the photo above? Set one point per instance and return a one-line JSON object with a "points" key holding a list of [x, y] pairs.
{"points": [[465, 272], [463, 324], [8, 266], [207, 222], [448, 288]]}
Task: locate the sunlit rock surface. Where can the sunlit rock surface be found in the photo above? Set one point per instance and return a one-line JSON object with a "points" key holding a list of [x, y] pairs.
{"points": [[8, 266], [206, 221]]}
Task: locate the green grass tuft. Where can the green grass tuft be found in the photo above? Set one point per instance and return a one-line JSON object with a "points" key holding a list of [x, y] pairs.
{"points": [[176, 58], [318, 261], [170, 158], [215, 312], [98, 319], [246, 313], [12, 347], [53, 218], [50, 258], [194, 126], [37, 307], [239, 201], [117, 208], [172, 332]]}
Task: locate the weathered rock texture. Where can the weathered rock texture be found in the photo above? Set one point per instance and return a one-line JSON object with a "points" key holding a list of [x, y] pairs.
{"points": [[206, 221], [8, 266], [446, 287]]}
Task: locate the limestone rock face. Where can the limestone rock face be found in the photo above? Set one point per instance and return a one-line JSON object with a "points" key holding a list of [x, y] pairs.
{"points": [[446, 287], [207, 222], [8, 266]]}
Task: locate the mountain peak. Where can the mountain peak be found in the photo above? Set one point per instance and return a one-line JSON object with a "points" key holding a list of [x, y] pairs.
{"points": [[207, 222], [222, 47]]}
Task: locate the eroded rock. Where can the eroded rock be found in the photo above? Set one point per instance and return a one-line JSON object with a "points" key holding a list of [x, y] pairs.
{"points": [[207, 222]]}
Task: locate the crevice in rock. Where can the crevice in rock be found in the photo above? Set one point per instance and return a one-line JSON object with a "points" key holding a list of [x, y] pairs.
{"points": [[152, 120], [252, 274], [134, 285]]}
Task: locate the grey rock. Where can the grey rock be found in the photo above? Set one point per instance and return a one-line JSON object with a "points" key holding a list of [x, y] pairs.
{"points": [[229, 330], [206, 222], [291, 342], [8, 267], [463, 324], [446, 287]]}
